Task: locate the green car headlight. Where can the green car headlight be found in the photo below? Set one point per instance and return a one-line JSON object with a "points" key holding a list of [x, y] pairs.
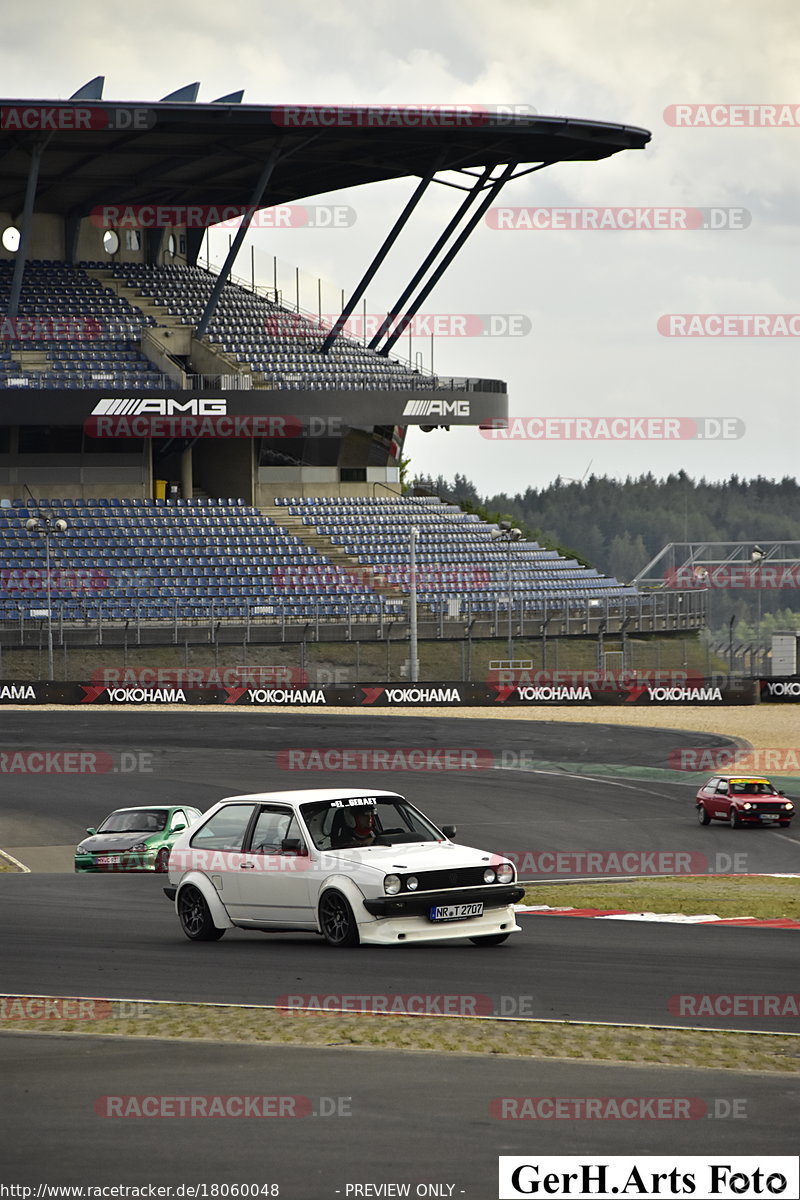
{"points": [[140, 847]]}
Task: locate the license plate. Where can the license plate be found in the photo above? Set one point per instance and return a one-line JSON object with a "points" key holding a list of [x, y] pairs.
{"points": [[108, 860], [769, 817], [456, 912]]}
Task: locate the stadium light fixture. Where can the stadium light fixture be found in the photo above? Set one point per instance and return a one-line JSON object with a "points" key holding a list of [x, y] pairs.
{"points": [[46, 527], [508, 533]]}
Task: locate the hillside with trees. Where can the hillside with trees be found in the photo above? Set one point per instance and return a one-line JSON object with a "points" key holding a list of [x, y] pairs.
{"points": [[618, 526]]}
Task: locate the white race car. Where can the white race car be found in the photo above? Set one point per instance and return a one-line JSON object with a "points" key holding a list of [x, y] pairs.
{"points": [[355, 866]]}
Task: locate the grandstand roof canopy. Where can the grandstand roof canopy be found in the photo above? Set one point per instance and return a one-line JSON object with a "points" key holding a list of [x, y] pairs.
{"points": [[178, 153]]}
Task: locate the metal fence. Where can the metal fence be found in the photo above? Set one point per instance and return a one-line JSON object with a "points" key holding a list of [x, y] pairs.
{"points": [[279, 621]]}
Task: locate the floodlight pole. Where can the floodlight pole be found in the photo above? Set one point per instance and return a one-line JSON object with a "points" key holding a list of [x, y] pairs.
{"points": [[413, 533], [47, 527]]}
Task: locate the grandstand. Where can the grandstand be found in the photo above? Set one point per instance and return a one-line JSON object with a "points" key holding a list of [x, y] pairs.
{"points": [[125, 366]]}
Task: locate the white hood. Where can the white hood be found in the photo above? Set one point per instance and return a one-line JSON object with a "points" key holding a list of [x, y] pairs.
{"points": [[416, 856]]}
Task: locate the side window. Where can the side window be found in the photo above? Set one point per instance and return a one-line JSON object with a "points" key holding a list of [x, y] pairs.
{"points": [[272, 826], [225, 830], [178, 819]]}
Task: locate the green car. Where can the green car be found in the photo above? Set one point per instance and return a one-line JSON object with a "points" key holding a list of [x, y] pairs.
{"points": [[134, 839]]}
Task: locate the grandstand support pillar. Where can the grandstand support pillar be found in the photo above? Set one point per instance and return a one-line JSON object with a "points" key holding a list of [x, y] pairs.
{"points": [[389, 241], [25, 232], [241, 234], [422, 295], [430, 257], [186, 473]]}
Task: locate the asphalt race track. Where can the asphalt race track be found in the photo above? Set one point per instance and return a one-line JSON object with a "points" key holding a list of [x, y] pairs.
{"points": [[117, 936]]}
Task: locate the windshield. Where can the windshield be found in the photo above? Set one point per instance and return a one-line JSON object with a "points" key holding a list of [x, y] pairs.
{"points": [[366, 821], [143, 820]]}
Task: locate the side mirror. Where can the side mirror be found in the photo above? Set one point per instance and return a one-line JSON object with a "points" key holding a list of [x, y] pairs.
{"points": [[449, 831], [178, 828], [91, 829], [781, 793], [723, 787], [292, 846]]}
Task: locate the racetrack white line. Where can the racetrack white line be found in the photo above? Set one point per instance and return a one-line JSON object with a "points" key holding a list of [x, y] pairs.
{"points": [[348, 1012]]}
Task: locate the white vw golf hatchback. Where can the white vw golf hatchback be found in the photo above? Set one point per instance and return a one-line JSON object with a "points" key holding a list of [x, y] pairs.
{"points": [[354, 866]]}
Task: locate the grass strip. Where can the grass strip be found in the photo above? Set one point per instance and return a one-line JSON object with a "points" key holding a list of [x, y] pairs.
{"points": [[722, 895], [708, 1049]]}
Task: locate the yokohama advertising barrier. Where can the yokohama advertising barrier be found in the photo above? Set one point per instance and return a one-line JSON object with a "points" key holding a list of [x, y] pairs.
{"points": [[388, 695], [781, 690]]}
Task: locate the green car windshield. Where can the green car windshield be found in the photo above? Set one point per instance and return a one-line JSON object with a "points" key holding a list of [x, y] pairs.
{"points": [[143, 820]]}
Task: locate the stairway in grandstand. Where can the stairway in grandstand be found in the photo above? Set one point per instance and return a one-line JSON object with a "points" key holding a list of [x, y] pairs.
{"points": [[213, 359], [460, 566], [129, 316], [304, 529]]}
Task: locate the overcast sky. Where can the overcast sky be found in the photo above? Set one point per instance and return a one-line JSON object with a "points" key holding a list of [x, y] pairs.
{"points": [[593, 297]]}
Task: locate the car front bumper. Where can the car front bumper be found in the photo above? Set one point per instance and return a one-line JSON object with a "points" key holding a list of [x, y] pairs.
{"points": [[143, 861], [418, 904]]}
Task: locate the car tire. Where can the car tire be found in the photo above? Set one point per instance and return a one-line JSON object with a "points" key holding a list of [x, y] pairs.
{"points": [[490, 939], [162, 861], [703, 815], [734, 819], [195, 917], [336, 920]]}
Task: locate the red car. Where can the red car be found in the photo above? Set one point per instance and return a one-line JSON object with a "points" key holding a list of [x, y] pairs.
{"points": [[742, 800]]}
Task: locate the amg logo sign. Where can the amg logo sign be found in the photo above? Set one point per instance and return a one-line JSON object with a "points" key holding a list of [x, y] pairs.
{"points": [[437, 408], [160, 406]]}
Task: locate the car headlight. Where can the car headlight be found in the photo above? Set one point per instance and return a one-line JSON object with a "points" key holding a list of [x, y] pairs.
{"points": [[140, 847], [392, 885], [412, 883], [747, 804], [505, 873], [788, 806], [82, 849], [489, 875]]}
